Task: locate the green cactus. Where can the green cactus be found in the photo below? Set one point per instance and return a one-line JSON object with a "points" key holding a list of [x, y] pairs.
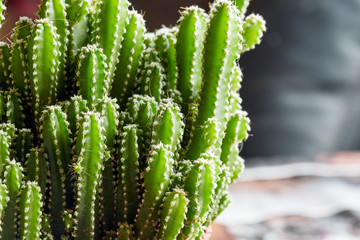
{"points": [[173, 214], [189, 47], [22, 29], [37, 169], [56, 12], [19, 66], [90, 154], [5, 142], [254, 26], [13, 180], [156, 183], [199, 185], [4, 199], [23, 144], [2, 9], [165, 44], [109, 28], [93, 80], [121, 133], [128, 62], [5, 54], [43, 65], [128, 190], [14, 108], [30, 212]]}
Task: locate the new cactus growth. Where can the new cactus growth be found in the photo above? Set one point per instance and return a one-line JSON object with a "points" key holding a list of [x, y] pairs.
{"points": [[109, 131]]}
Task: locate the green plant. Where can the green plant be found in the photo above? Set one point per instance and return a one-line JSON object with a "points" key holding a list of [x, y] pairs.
{"points": [[109, 131]]}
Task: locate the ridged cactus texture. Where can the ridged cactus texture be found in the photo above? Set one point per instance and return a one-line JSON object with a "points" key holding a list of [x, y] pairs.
{"points": [[109, 131]]}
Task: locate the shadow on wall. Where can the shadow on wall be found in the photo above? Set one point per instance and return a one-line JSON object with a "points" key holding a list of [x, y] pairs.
{"points": [[302, 83]]}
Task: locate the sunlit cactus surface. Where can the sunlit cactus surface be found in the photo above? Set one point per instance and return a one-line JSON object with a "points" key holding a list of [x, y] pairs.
{"points": [[109, 131]]}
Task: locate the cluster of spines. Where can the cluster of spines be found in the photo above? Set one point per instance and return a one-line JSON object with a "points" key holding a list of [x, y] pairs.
{"points": [[153, 161]]}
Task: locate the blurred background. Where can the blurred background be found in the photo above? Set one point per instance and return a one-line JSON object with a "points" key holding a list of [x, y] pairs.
{"points": [[301, 89]]}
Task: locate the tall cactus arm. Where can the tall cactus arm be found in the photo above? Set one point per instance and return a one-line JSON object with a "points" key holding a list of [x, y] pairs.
{"points": [[189, 47], [168, 125], [105, 217], [109, 111], [76, 10], [156, 183], [22, 29], [2, 106], [109, 28], [222, 48], [14, 109], [234, 101], [199, 186], [13, 181], [253, 29], [55, 11], [5, 54], [43, 65], [129, 58], [173, 214], [88, 168], [142, 111], [223, 203], [236, 132], [92, 75], [30, 212], [2, 9], [80, 16], [127, 199], [165, 44], [242, 6], [37, 169], [56, 137], [19, 67], [151, 78], [74, 109], [223, 182], [210, 133], [5, 143], [4, 198], [19, 56], [124, 232], [23, 144]]}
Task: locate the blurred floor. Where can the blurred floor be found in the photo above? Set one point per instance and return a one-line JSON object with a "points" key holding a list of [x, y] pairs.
{"points": [[296, 199]]}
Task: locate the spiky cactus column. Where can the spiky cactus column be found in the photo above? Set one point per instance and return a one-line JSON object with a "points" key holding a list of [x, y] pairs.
{"points": [[150, 143]]}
